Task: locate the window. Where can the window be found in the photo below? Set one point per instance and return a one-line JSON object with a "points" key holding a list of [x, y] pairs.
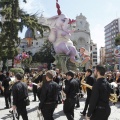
{"points": [[94, 52], [90, 47], [94, 56], [94, 60]]}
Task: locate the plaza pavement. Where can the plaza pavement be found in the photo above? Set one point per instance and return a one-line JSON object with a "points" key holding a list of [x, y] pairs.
{"points": [[58, 114]]}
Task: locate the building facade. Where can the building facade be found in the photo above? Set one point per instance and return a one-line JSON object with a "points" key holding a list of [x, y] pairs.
{"points": [[93, 54], [102, 56], [80, 37], [111, 31]]}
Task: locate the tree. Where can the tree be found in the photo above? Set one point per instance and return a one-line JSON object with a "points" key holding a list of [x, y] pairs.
{"points": [[117, 40], [46, 54], [14, 21]]}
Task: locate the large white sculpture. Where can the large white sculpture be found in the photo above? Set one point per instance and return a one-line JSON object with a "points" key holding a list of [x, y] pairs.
{"points": [[60, 37]]}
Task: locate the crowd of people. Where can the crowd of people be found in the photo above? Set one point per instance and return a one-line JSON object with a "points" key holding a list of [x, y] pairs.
{"points": [[53, 87]]}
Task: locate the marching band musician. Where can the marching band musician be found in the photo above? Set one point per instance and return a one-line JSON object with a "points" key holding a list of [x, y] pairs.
{"points": [[48, 97], [37, 80], [90, 81], [2, 77], [7, 90], [71, 90], [78, 96], [118, 83], [20, 93], [99, 108], [110, 78]]}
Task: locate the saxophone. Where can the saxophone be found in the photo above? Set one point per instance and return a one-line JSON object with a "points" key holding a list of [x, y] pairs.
{"points": [[113, 97], [82, 85]]}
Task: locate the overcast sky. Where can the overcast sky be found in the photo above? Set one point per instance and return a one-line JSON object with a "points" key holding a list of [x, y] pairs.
{"points": [[98, 13]]}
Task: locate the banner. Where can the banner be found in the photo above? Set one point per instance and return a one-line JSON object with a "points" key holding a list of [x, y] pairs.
{"points": [[117, 51]]}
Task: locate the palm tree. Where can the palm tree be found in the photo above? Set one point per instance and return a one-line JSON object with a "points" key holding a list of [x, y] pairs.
{"points": [[14, 21]]}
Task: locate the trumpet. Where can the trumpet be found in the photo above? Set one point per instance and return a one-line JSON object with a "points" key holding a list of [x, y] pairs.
{"points": [[113, 97]]}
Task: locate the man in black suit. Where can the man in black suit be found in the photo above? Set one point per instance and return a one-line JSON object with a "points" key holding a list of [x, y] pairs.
{"points": [[90, 81], [20, 93], [71, 89], [99, 108], [37, 80], [48, 96], [2, 77], [7, 91]]}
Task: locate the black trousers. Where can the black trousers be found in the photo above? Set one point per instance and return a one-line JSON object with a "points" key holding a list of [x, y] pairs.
{"points": [[101, 114], [23, 112], [86, 104], [1, 92], [68, 108], [77, 101], [34, 91], [7, 99], [48, 110]]}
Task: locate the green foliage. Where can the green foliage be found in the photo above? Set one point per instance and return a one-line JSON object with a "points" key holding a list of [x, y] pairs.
{"points": [[17, 70], [27, 61], [117, 40], [14, 21], [46, 53]]}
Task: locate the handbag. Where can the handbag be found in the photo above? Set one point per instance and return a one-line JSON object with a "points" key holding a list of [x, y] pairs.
{"points": [[27, 101]]}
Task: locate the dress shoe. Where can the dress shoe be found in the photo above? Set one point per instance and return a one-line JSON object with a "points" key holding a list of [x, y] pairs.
{"points": [[59, 102], [11, 111], [77, 106], [83, 113], [6, 107]]}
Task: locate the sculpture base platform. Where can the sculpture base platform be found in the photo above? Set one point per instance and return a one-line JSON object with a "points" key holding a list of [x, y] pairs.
{"points": [[63, 63]]}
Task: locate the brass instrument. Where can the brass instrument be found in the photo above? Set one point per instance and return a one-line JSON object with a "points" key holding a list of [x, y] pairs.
{"points": [[62, 92], [83, 86], [113, 97], [11, 83], [36, 76], [2, 88]]}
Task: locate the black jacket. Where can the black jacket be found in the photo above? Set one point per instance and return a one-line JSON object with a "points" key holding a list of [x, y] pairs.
{"points": [[2, 77], [100, 95], [71, 88], [90, 81], [6, 85], [20, 92], [37, 80], [49, 93]]}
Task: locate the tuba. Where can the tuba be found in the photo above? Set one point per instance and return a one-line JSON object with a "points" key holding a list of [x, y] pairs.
{"points": [[113, 97]]}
